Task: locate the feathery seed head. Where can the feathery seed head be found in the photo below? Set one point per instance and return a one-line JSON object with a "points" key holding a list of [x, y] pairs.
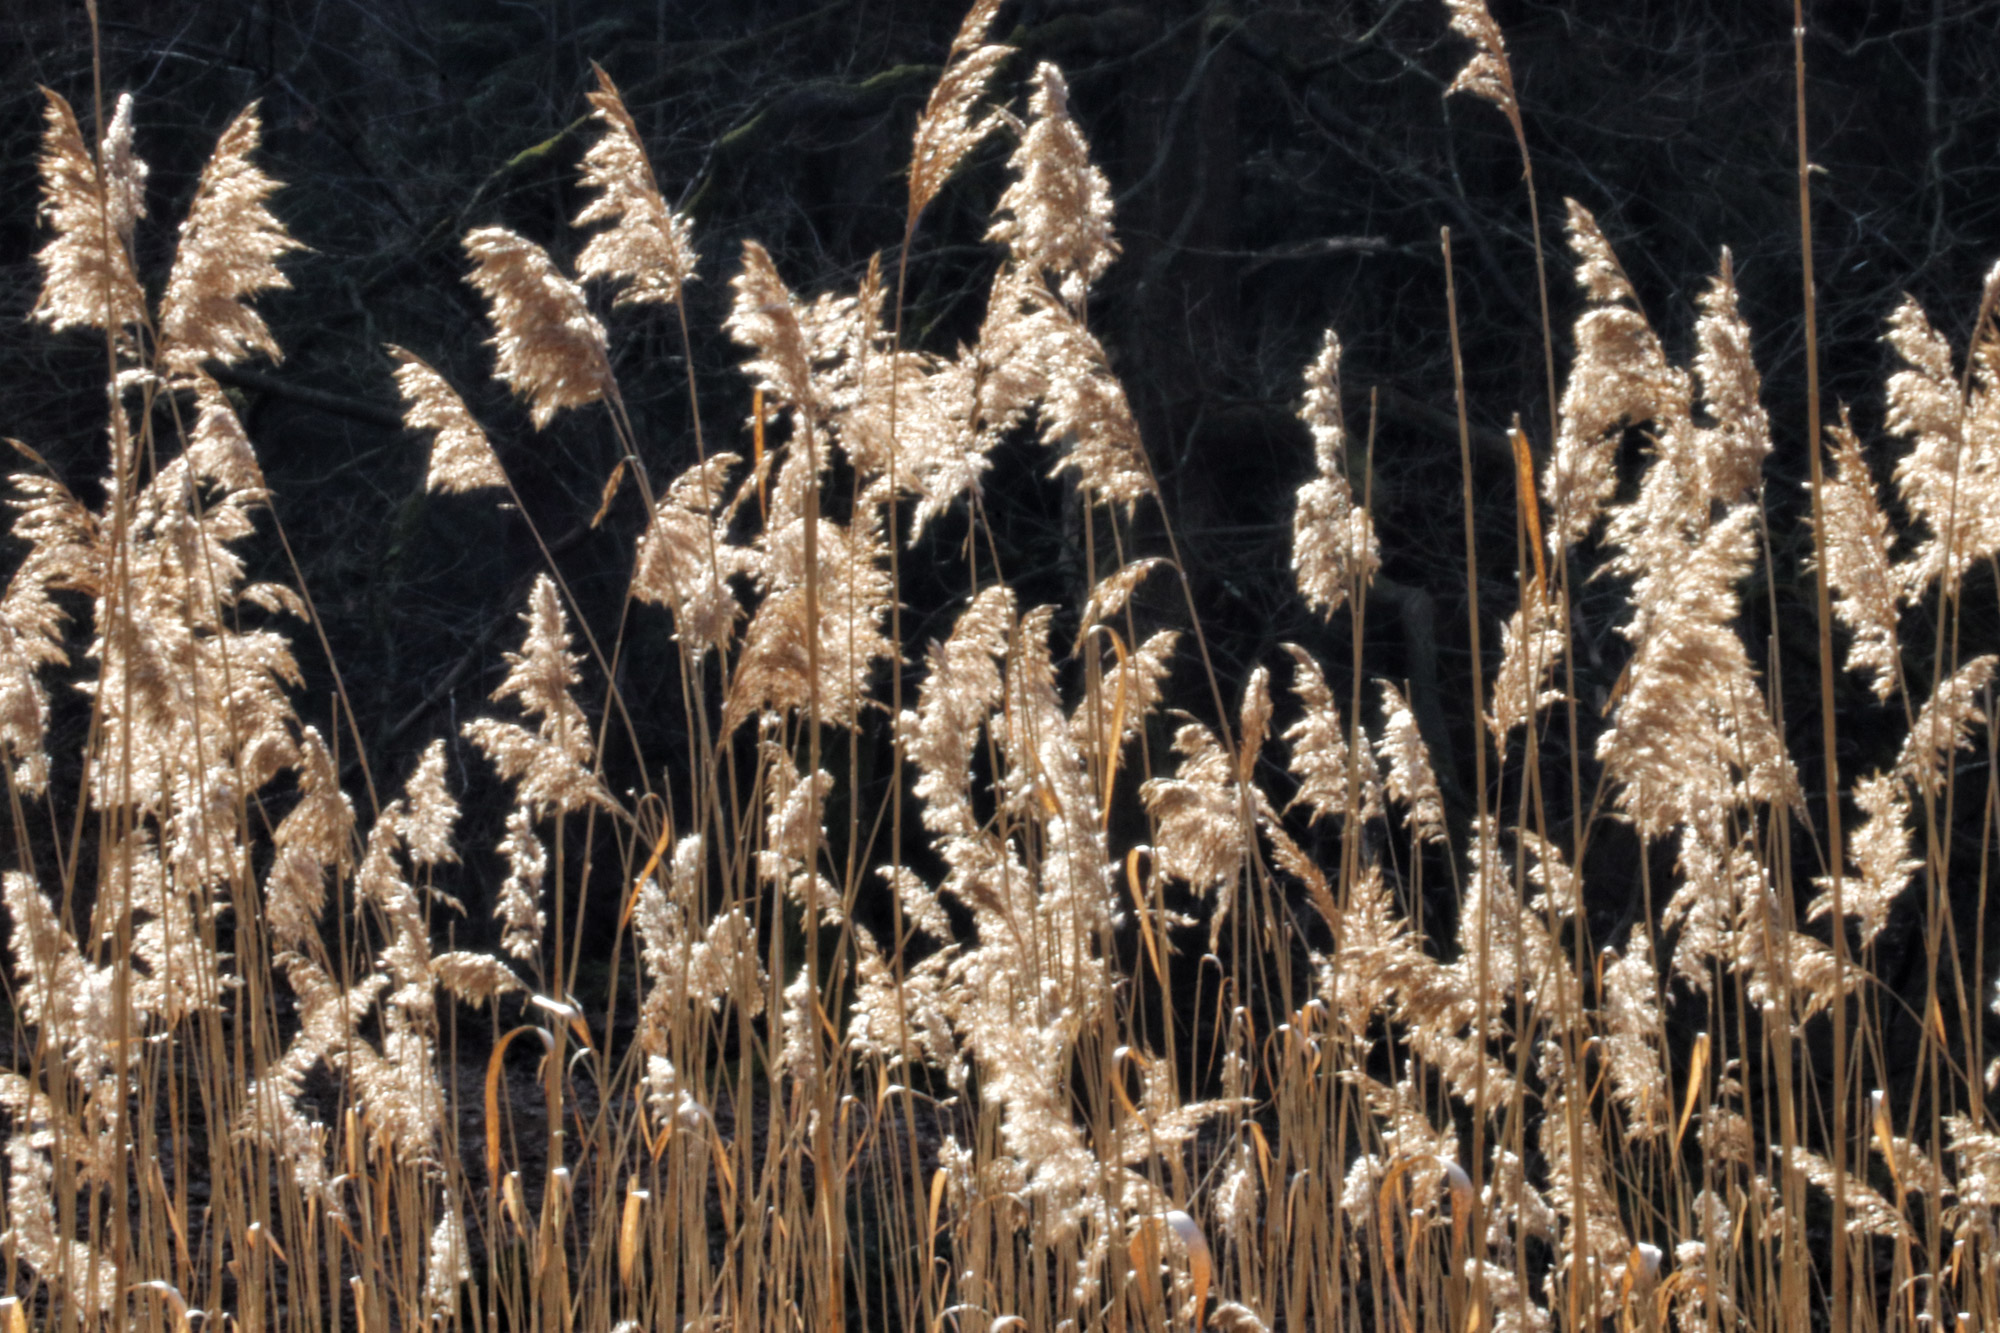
{"points": [[548, 346], [228, 253], [764, 316], [91, 206], [1333, 539], [1056, 216], [461, 457], [648, 245], [946, 131], [1487, 74]]}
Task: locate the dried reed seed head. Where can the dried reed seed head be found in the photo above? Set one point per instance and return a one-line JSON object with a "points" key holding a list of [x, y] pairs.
{"points": [[519, 906], [1333, 539], [1632, 1017], [686, 560], [1620, 377], [316, 835], [63, 555], [1321, 410], [956, 701], [1412, 781], [91, 206], [1859, 540], [1333, 544], [1114, 591], [476, 978], [552, 763], [1199, 836], [24, 711], [1950, 478], [775, 671], [76, 1268], [1487, 74], [648, 246], [1868, 1213], [946, 131], [1598, 271], [425, 824], [228, 253], [59, 990], [1332, 776], [1531, 643], [1692, 733], [1087, 418], [219, 449], [1056, 216], [548, 347], [1625, 379], [461, 458], [1733, 450], [1253, 723], [1880, 848], [1945, 724], [450, 1262], [764, 316], [124, 172]]}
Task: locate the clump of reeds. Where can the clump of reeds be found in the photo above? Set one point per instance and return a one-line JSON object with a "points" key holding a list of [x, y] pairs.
{"points": [[982, 1116]]}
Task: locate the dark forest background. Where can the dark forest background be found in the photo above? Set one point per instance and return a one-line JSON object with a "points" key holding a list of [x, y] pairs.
{"points": [[1279, 168]]}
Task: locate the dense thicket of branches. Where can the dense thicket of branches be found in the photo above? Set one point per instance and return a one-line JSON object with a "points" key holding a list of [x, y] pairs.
{"points": [[1278, 167]]}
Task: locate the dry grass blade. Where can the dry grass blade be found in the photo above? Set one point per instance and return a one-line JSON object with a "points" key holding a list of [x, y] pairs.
{"points": [[494, 1069]]}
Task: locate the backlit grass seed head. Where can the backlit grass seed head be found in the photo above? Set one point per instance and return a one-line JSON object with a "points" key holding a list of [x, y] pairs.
{"points": [[1632, 1018], [64, 554], [946, 131], [461, 457], [1056, 216], [91, 206], [1412, 781], [1945, 724], [1731, 450], [1333, 541], [686, 560], [1198, 814], [1865, 583], [1950, 478], [1086, 416], [548, 347], [1692, 732], [1880, 847], [1531, 644], [1334, 779], [1487, 74], [648, 248], [1620, 377], [315, 837], [764, 316], [425, 821], [228, 253], [552, 763]]}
